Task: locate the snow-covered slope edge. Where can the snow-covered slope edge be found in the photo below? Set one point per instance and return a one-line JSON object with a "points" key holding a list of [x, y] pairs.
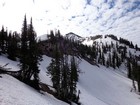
{"points": [[14, 92]]}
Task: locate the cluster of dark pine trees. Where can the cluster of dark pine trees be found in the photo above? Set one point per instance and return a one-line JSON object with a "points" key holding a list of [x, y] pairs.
{"points": [[29, 55], [63, 70], [25, 48], [134, 70], [9, 43], [106, 54]]}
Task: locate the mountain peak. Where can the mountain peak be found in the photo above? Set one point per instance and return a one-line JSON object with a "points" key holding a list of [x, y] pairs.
{"points": [[74, 37]]}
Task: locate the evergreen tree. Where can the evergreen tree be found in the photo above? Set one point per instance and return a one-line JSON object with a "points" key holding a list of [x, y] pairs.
{"points": [[24, 51], [64, 78], [30, 57], [114, 59], [12, 47], [118, 61], [54, 70], [65, 84], [138, 77], [136, 47], [3, 40], [131, 45], [107, 63], [129, 69], [73, 78], [110, 59], [103, 59], [34, 56], [135, 74], [93, 52]]}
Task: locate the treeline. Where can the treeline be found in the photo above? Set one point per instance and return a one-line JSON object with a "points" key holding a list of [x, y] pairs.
{"points": [[129, 43]]}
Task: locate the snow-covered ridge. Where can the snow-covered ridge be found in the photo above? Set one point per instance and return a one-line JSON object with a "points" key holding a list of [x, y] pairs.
{"points": [[73, 36], [85, 40]]}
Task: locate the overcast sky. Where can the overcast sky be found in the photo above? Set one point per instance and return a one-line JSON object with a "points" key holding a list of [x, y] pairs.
{"points": [[83, 17]]}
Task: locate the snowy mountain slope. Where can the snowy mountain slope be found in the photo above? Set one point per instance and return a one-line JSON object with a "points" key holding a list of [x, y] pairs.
{"points": [[106, 85], [101, 40], [14, 92], [109, 40], [98, 86], [102, 86], [44, 78], [11, 64], [84, 40], [73, 36]]}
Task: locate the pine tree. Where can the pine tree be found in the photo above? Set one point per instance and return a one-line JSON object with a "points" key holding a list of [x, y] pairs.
{"points": [[110, 59], [93, 52], [54, 71], [34, 56], [114, 59], [118, 61], [30, 57], [138, 77], [136, 47], [65, 71], [129, 69], [3, 40], [24, 51], [12, 47], [134, 72], [73, 79], [64, 78], [103, 59]]}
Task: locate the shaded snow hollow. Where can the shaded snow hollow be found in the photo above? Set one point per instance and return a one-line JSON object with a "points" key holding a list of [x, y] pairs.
{"points": [[98, 86]]}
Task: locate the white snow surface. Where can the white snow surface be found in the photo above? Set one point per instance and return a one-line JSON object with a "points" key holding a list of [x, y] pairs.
{"points": [[105, 85], [14, 92], [98, 86], [42, 37], [12, 65]]}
